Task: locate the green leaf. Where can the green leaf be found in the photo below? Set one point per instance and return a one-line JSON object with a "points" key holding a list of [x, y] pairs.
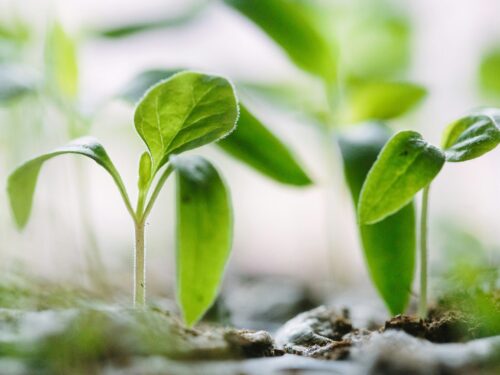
{"points": [[186, 111], [144, 171], [406, 164], [141, 83], [472, 136], [204, 234], [256, 146], [381, 100], [489, 73], [15, 83], [287, 23], [389, 246], [184, 17], [22, 182], [61, 62]]}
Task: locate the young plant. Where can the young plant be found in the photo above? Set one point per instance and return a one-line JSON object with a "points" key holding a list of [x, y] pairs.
{"points": [[184, 112], [408, 164]]}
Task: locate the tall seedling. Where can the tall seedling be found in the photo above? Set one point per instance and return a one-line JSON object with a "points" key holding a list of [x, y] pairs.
{"points": [[355, 92], [184, 112], [408, 164]]}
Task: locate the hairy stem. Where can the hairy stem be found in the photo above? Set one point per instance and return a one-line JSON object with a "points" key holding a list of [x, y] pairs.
{"points": [[139, 266], [422, 306]]}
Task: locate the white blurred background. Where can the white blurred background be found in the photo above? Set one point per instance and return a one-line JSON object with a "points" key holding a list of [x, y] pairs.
{"points": [[308, 233]]}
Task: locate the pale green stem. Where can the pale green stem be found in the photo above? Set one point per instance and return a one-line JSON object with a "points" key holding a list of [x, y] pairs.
{"points": [[140, 249], [422, 306], [139, 266]]}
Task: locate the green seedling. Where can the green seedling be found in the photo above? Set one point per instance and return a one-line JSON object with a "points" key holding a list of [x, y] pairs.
{"points": [[357, 61], [184, 112], [408, 164]]}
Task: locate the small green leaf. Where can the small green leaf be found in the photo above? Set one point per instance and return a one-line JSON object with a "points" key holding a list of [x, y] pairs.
{"points": [[389, 245], [141, 83], [381, 100], [61, 62], [253, 144], [406, 164], [287, 23], [144, 171], [15, 83], [204, 234], [472, 136], [22, 182], [489, 73], [186, 111]]}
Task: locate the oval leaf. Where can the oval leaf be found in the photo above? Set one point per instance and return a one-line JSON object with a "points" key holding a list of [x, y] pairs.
{"points": [[381, 101], [390, 245], [22, 182], [204, 234], [287, 24], [186, 111], [406, 164], [253, 144], [472, 136]]}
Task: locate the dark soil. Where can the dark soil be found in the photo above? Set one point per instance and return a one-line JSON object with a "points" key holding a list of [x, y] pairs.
{"points": [[443, 327]]}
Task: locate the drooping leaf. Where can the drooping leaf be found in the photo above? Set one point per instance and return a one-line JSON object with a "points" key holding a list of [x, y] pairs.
{"points": [[15, 82], [22, 182], [472, 136], [186, 111], [141, 83], [406, 164], [61, 62], [389, 246], [288, 25], [204, 234], [489, 73], [381, 100], [253, 144]]}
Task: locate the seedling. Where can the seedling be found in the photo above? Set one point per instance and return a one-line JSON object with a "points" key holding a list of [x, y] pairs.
{"points": [[353, 66], [408, 164], [181, 113]]}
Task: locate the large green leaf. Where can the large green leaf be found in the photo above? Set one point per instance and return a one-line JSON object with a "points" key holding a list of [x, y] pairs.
{"points": [[287, 23], [22, 182], [489, 73], [186, 111], [381, 100], [61, 63], [253, 144], [406, 164], [472, 136], [389, 245], [204, 234]]}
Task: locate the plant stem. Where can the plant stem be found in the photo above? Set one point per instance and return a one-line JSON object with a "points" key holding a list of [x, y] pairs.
{"points": [[422, 307], [139, 265]]}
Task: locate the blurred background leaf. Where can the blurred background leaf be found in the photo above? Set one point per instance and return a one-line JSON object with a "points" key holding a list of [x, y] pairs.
{"points": [[289, 25], [380, 100], [489, 73], [61, 63]]}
